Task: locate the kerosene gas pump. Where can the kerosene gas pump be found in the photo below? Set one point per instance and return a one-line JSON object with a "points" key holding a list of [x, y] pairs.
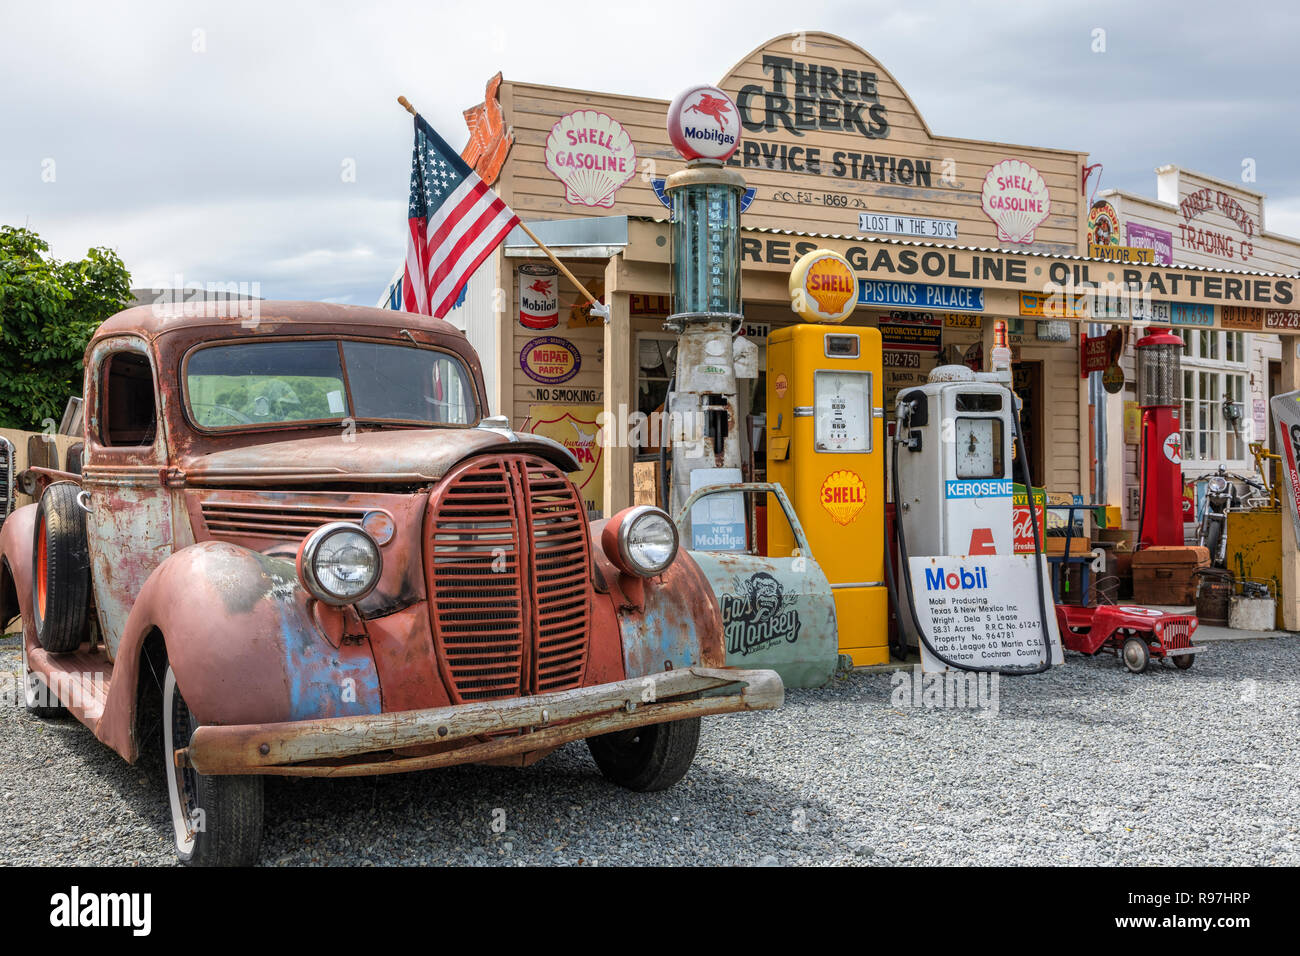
{"points": [[962, 594]]}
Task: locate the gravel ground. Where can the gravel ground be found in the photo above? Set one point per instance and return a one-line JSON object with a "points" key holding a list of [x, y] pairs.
{"points": [[1086, 765]]}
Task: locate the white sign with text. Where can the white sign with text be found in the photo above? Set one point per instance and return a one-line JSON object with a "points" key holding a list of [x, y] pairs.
{"points": [[895, 225], [982, 610]]}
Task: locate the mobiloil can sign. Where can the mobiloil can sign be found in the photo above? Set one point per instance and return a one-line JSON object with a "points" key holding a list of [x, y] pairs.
{"points": [[982, 610]]}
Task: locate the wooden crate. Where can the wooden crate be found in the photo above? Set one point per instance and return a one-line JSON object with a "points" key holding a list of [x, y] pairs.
{"points": [[1167, 575]]}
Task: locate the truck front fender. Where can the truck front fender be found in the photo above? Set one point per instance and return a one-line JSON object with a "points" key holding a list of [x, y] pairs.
{"points": [[16, 535], [668, 621], [679, 625], [242, 638]]}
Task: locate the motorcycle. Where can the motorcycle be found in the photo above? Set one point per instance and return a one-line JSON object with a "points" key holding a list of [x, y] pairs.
{"points": [[1221, 496]]}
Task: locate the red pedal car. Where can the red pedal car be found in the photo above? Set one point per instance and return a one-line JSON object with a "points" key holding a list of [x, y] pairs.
{"points": [[1134, 634]]}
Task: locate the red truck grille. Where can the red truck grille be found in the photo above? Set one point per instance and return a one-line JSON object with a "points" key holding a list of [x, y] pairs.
{"points": [[509, 571], [1178, 631], [276, 521]]}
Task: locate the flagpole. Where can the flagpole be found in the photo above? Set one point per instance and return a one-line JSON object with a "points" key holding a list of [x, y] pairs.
{"points": [[596, 307]]}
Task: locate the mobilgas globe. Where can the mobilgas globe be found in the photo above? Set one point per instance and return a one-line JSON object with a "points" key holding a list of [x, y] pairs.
{"points": [[703, 124], [936, 579]]}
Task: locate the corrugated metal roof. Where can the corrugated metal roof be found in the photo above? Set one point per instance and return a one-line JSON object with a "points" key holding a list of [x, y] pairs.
{"points": [[885, 240]]}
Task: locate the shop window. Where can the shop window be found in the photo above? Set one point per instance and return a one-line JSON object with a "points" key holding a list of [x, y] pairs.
{"points": [[656, 362], [1214, 376], [128, 414]]}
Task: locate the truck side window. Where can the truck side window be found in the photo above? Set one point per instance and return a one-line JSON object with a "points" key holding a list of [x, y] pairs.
{"points": [[127, 413]]}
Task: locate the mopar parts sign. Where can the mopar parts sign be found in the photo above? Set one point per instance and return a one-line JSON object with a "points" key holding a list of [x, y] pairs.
{"points": [[982, 610]]}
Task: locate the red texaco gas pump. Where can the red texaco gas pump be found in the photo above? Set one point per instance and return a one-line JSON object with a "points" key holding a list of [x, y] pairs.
{"points": [[1160, 387]]}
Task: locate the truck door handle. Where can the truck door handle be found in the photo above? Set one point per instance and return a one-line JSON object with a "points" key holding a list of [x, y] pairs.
{"points": [[83, 502]]}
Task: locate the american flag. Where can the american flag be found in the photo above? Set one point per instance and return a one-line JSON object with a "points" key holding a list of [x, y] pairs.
{"points": [[456, 221]]}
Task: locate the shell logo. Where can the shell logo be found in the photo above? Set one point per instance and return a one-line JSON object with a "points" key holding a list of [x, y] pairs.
{"points": [[1015, 197], [843, 495], [823, 287], [592, 155]]}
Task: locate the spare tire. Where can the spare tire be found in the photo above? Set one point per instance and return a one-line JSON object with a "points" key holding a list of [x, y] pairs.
{"points": [[60, 570]]}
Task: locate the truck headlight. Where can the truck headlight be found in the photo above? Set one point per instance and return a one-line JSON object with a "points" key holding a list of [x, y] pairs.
{"points": [[640, 541], [339, 563]]}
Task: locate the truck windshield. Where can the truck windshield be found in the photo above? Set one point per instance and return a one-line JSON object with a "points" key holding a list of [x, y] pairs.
{"points": [[260, 383]]}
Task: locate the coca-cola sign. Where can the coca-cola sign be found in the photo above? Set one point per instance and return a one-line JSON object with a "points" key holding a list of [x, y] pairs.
{"points": [[1021, 528]]}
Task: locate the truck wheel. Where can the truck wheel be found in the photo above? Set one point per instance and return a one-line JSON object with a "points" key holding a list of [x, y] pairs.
{"points": [[60, 570], [217, 819], [36, 693], [647, 758], [1184, 661], [1136, 654]]}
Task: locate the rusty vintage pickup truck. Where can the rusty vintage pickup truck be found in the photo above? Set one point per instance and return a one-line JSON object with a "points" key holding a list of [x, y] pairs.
{"points": [[305, 541]]}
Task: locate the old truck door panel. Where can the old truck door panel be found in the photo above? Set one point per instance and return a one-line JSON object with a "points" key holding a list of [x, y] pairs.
{"points": [[777, 612], [130, 522]]}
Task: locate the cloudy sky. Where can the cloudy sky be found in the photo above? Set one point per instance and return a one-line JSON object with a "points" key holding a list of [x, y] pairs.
{"points": [[207, 140]]}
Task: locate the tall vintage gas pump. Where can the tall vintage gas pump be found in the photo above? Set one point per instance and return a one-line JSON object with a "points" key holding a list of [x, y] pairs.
{"points": [[705, 199], [1160, 395], [777, 608], [825, 436]]}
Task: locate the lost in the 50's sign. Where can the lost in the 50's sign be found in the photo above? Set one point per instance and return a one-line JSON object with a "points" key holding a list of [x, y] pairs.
{"points": [[982, 610], [919, 226]]}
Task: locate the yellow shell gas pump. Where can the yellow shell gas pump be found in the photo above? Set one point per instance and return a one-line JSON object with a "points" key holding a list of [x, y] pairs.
{"points": [[825, 417]]}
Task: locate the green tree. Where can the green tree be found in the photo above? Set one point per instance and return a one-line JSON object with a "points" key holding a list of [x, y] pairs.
{"points": [[48, 311]]}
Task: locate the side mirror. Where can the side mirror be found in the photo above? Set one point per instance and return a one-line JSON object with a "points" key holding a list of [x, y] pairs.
{"points": [[70, 424]]}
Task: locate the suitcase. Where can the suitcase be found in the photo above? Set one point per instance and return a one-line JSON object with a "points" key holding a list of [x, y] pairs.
{"points": [[1167, 575]]}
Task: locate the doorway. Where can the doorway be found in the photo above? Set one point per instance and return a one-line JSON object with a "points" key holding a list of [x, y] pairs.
{"points": [[1027, 380]]}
